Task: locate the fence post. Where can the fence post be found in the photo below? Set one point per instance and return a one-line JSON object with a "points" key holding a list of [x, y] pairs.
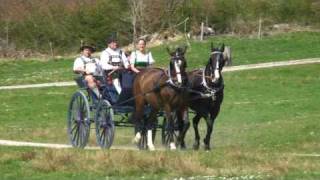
{"points": [[260, 25], [202, 27], [51, 49], [7, 34]]}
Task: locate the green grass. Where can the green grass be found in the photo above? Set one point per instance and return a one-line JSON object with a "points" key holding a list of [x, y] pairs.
{"points": [[245, 50], [267, 115]]}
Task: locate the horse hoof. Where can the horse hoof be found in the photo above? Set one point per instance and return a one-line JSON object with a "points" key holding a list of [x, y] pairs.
{"points": [[207, 148], [196, 146], [173, 146], [151, 147], [137, 138], [183, 146]]}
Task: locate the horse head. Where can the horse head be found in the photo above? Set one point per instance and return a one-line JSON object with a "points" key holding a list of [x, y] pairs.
{"points": [[215, 64], [178, 65]]}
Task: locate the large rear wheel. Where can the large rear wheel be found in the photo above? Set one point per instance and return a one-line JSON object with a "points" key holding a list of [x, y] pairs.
{"points": [[78, 122]]}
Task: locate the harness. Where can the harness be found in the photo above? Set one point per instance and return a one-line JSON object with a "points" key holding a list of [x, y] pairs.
{"points": [[92, 60], [210, 92]]}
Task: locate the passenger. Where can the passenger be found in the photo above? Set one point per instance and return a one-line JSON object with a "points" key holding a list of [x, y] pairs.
{"points": [[141, 58], [112, 60], [88, 67]]}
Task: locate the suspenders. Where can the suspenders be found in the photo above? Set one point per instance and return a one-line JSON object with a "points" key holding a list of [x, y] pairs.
{"points": [[136, 57], [115, 56], [92, 60]]}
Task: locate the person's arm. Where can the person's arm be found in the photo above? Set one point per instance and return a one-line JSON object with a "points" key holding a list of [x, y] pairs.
{"points": [[134, 69], [78, 66], [131, 59], [125, 61]]}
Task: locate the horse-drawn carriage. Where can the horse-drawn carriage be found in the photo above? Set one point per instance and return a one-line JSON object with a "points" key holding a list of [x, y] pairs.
{"points": [[157, 93], [86, 108]]}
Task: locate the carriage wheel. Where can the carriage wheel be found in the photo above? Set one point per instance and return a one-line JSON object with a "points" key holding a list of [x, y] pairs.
{"points": [[104, 124], [78, 122], [169, 132]]}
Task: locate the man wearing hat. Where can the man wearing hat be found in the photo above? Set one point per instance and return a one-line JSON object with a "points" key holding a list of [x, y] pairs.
{"points": [[113, 59], [88, 67]]}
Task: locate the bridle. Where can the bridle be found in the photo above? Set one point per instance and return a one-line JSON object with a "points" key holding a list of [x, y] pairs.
{"points": [[211, 91], [179, 73]]}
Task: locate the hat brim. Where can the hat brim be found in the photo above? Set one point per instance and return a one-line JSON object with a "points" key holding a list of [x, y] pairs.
{"points": [[92, 49]]}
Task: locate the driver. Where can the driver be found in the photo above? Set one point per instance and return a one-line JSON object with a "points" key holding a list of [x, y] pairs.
{"points": [[112, 60], [88, 67]]}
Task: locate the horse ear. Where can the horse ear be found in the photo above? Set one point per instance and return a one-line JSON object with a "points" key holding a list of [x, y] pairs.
{"points": [[227, 55], [222, 48], [211, 46]]}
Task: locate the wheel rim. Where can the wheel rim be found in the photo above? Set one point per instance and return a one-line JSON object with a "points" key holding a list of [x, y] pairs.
{"points": [[79, 120], [104, 125]]}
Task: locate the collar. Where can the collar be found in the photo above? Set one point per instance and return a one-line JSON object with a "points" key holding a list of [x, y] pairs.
{"points": [[210, 92]]}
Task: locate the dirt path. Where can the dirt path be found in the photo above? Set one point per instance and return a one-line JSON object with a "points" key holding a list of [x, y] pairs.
{"points": [[56, 146], [226, 69]]}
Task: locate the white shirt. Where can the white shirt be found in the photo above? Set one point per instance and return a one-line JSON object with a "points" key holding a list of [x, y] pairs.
{"points": [[137, 56], [90, 64], [116, 58]]}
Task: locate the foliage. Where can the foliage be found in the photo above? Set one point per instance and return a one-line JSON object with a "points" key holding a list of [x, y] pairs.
{"points": [[244, 51], [64, 24]]}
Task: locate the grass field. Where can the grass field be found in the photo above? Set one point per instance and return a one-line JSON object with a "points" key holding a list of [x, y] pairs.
{"points": [[267, 117], [244, 51]]}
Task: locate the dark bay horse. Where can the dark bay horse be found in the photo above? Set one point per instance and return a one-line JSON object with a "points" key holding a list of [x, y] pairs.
{"points": [[162, 90], [207, 86]]}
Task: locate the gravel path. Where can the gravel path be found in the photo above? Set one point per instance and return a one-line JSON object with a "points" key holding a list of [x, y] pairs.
{"points": [[226, 69]]}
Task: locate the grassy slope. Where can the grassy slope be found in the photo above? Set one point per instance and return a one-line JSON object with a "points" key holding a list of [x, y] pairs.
{"points": [[267, 115], [244, 50]]}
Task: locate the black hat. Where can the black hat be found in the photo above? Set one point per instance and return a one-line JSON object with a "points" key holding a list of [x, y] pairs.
{"points": [[111, 39], [87, 46]]}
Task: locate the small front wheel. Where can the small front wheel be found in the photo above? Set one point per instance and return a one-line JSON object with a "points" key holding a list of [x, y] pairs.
{"points": [[104, 124], [169, 133]]}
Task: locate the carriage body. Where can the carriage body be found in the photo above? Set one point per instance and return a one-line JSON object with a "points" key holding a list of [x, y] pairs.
{"points": [[86, 109]]}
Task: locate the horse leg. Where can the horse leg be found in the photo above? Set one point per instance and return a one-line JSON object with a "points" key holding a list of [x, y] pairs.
{"points": [[184, 125], [195, 122], [168, 112], [210, 123], [150, 127], [138, 114]]}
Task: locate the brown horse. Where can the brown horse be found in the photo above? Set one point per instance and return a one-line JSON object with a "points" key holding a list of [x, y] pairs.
{"points": [[162, 90], [207, 93]]}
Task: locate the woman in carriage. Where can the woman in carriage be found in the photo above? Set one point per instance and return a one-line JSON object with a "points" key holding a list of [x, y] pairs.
{"points": [[141, 58]]}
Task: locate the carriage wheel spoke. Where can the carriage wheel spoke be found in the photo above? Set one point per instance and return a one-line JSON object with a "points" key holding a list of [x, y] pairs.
{"points": [[75, 134], [73, 128], [102, 136], [84, 132]]}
